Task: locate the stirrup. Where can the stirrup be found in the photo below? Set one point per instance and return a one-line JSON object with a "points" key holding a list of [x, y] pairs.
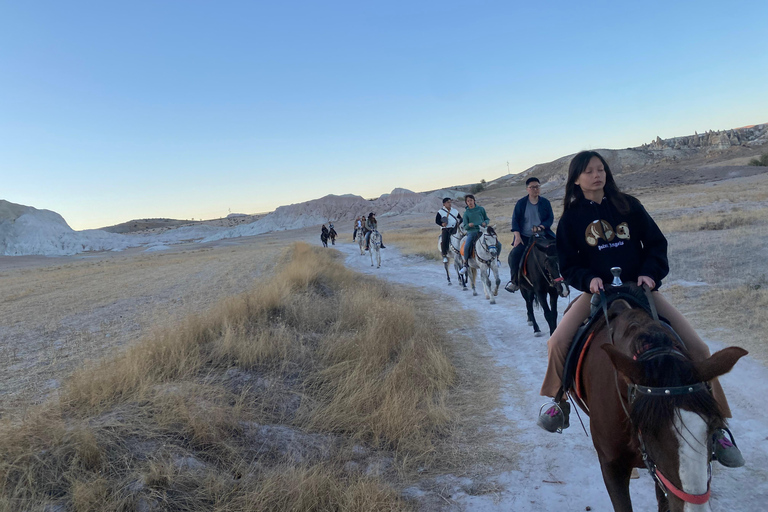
{"points": [[564, 410]]}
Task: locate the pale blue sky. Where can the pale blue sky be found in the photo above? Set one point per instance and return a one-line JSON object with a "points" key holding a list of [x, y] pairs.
{"points": [[186, 109]]}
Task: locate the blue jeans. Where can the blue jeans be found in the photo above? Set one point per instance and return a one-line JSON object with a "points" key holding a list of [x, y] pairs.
{"points": [[469, 245]]}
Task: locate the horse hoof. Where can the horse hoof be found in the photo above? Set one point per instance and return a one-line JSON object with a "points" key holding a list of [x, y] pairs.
{"points": [[493, 301], [465, 289], [530, 323], [537, 334], [474, 294], [496, 293]]}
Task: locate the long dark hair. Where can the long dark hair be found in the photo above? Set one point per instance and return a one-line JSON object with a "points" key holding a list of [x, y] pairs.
{"points": [[573, 192]]}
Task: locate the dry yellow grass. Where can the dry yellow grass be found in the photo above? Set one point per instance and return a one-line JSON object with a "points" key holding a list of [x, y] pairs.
{"points": [[56, 312], [176, 421]]}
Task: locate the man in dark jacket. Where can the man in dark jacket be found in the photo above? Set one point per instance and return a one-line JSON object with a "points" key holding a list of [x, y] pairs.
{"points": [[532, 215]]}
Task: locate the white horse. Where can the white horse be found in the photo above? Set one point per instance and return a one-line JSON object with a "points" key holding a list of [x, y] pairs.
{"points": [[485, 259], [458, 262], [375, 247], [361, 241]]}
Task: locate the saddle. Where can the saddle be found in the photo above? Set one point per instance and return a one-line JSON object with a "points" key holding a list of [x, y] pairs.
{"points": [[543, 243], [581, 341]]}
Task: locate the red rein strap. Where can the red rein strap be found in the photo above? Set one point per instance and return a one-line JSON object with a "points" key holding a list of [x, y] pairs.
{"points": [[696, 499]]}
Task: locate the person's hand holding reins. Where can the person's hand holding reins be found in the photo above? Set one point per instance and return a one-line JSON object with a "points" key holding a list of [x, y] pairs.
{"points": [[470, 224], [595, 285], [517, 239], [641, 280]]}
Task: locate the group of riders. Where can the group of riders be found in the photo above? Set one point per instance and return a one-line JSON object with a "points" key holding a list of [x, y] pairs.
{"points": [[600, 228], [364, 227]]}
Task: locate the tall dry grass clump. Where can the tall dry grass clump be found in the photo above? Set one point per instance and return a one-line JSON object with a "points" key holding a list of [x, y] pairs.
{"points": [[305, 393]]}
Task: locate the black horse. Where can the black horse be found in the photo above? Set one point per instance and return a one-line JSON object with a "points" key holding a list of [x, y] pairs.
{"points": [[324, 238], [332, 235], [539, 277]]}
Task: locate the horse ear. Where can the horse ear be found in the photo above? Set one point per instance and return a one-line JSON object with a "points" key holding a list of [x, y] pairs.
{"points": [[719, 363], [627, 366]]}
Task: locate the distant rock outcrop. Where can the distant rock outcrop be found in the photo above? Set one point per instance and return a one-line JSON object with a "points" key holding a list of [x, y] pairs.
{"points": [[660, 153], [755, 135], [26, 230]]}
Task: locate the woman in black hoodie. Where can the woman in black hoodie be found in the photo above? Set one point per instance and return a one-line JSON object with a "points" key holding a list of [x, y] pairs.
{"points": [[600, 228]]}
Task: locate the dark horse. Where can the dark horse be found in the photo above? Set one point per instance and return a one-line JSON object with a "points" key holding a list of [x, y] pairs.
{"points": [[332, 236], [324, 238], [650, 406], [541, 278]]}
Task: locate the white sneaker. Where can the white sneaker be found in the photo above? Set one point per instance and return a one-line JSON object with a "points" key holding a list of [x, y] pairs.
{"points": [[463, 270], [498, 263], [445, 260]]}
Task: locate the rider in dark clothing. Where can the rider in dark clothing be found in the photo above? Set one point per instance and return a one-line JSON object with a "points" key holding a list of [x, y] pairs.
{"points": [[448, 218], [532, 215], [371, 225]]}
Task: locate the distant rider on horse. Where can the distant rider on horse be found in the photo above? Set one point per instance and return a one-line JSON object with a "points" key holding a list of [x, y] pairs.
{"points": [[532, 215], [371, 225], [474, 217], [448, 219], [600, 228], [358, 228]]}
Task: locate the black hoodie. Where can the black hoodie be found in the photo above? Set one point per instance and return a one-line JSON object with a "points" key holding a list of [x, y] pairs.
{"points": [[592, 238]]}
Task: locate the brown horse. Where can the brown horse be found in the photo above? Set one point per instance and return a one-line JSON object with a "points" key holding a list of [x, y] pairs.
{"points": [[649, 407]]}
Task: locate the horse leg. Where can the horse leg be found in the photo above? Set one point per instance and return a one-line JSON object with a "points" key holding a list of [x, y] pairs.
{"points": [[472, 279], [616, 478], [661, 500], [552, 320], [498, 279], [542, 296], [447, 273], [529, 297], [457, 262], [487, 285]]}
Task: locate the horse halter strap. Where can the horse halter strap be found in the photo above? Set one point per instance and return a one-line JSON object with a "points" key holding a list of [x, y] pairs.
{"points": [[665, 485], [634, 389], [485, 246], [551, 282]]}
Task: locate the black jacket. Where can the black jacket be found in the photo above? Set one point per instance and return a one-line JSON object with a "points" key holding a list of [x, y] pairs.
{"points": [[592, 238], [545, 214]]}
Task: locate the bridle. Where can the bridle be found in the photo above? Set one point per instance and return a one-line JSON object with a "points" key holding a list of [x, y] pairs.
{"points": [[552, 282], [634, 389], [486, 248]]}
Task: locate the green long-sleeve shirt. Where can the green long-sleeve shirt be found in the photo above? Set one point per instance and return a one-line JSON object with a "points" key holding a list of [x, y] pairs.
{"points": [[476, 216]]}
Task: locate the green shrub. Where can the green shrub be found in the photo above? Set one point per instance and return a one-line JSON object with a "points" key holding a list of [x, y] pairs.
{"points": [[761, 162]]}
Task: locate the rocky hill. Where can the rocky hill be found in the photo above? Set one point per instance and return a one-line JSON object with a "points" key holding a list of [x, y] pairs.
{"points": [[693, 158], [341, 210]]}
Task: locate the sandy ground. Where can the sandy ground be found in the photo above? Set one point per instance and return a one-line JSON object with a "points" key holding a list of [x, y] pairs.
{"points": [[561, 472]]}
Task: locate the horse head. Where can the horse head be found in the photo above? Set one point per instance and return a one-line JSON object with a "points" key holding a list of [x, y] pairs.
{"points": [[671, 408], [550, 266], [488, 240]]}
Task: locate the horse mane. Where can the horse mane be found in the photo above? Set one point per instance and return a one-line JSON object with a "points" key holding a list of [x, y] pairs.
{"points": [[649, 413], [489, 230]]}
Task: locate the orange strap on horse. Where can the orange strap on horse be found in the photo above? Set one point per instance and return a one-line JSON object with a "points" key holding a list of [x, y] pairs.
{"points": [[577, 375], [525, 258]]}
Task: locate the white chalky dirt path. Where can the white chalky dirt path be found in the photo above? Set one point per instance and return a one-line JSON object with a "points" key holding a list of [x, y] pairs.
{"points": [[569, 460]]}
